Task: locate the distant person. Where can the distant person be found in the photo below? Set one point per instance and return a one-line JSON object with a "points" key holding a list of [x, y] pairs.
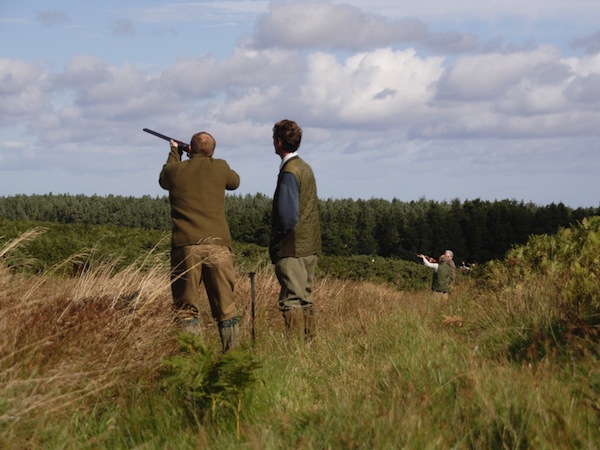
{"points": [[444, 273], [201, 240], [449, 258], [295, 232]]}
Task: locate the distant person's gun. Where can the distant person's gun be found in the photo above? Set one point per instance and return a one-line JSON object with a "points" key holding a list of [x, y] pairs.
{"points": [[182, 145], [428, 258]]}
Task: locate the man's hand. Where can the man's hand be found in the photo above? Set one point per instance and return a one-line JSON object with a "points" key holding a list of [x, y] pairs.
{"points": [[175, 145]]}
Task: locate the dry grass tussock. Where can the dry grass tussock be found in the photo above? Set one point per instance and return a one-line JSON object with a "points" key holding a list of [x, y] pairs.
{"points": [[67, 342]]}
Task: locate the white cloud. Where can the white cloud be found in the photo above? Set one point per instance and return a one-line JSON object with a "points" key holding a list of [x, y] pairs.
{"points": [[489, 76], [205, 76], [373, 88], [324, 25], [23, 91]]}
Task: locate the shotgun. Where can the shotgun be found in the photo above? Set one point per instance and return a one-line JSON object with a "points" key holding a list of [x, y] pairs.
{"points": [[182, 145]]}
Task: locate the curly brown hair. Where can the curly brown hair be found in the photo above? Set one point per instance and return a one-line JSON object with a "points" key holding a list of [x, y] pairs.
{"points": [[288, 133]]}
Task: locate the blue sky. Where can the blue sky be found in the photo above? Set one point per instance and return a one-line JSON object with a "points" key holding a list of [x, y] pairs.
{"points": [[408, 100]]}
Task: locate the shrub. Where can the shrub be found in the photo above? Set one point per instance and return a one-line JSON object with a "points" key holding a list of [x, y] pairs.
{"points": [[207, 382], [546, 292]]}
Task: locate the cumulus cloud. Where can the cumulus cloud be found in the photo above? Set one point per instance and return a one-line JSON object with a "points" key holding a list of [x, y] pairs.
{"points": [[510, 95], [324, 25], [522, 94], [375, 88], [489, 76], [585, 90], [24, 91], [302, 25], [205, 76]]}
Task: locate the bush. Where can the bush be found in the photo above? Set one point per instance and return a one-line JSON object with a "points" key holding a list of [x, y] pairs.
{"points": [[208, 382], [546, 292]]}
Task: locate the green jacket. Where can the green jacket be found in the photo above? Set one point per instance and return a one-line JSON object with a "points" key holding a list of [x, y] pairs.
{"points": [[197, 196], [442, 278], [305, 237]]}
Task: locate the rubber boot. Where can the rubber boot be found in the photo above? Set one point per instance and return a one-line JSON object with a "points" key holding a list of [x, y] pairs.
{"points": [[309, 324], [229, 333], [294, 323]]}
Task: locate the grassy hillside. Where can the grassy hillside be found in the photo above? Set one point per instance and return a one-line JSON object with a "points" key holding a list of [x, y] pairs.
{"points": [[511, 361]]}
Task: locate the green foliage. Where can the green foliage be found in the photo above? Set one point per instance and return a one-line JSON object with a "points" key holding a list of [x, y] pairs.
{"points": [[249, 218], [207, 382], [476, 230], [144, 212], [548, 291], [250, 257], [60, 242], [569, 257], [96, 244]]}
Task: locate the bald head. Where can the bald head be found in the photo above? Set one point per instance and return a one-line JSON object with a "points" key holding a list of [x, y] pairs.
{"points": [[203, 144]]}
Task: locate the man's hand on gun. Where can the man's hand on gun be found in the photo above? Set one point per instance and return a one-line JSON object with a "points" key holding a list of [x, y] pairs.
{"points": [[428, 258], [182, 146], [174, 144]]}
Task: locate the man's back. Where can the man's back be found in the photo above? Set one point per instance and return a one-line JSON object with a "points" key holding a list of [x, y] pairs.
{"points": [[197, 195], [442, 277]]}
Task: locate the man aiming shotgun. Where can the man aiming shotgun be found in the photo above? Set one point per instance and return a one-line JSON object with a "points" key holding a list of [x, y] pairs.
{"points": [[444, 273], [201, 240]]}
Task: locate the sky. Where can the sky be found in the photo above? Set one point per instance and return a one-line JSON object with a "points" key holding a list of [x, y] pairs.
{"points": [[418, 99]]}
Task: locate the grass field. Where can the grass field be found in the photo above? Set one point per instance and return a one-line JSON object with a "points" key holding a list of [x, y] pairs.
{"points": [[510, 361]]}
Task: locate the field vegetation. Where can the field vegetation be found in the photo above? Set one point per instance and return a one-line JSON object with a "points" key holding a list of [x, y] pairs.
{"points": [[476, 230], [90, 358]]}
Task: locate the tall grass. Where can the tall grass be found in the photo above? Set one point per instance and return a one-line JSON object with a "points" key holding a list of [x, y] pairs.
{"points": [[87, 362]]}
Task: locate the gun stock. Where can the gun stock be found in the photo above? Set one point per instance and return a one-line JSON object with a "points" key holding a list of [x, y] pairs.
{"points": [[182, 145]]}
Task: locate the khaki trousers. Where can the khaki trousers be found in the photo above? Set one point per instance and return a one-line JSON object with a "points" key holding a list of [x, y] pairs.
{"points": [[209, 263], [296, 276]]}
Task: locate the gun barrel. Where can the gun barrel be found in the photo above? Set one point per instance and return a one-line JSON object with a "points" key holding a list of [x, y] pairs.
{"points": [[181, 144]]}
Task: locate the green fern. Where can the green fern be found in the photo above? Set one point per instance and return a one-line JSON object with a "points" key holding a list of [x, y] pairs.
{"points": [[204, 379]]}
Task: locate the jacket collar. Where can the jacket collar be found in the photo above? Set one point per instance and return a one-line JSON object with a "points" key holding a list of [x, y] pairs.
{"points": [[286, 158]]}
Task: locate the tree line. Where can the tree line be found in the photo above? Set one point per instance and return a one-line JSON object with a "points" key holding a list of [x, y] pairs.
{"points": [[476, 230]]}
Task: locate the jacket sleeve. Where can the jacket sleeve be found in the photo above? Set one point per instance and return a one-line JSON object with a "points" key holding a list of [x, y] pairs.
{"points": [[288, 205], [233, 180], [433, 266], [173, 158]]}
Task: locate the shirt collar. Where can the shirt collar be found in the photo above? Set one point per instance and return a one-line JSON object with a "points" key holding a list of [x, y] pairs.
{"points": [[286, 158]]}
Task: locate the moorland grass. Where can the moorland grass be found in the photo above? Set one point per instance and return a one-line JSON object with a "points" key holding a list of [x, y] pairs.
{"points": [[87, 362]]}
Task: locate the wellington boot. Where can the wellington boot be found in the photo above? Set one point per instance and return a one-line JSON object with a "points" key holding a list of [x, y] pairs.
{"points": [[229, 333], [294, 323], [191, 325]]}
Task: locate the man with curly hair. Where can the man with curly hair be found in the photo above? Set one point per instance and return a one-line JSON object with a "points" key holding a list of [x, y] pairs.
{"points": [[295, 232]]}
